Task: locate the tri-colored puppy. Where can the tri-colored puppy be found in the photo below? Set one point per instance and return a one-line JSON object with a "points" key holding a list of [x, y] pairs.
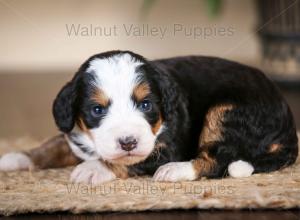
{"points": [[177, 119]]}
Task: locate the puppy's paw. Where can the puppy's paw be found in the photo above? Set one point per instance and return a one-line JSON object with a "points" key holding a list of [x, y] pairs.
{"points": [[175, 171], [240, 168], [15, 161], [92, 172]]}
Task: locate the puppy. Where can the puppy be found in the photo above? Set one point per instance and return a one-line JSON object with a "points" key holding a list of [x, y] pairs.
{"points": [[176, 119]]}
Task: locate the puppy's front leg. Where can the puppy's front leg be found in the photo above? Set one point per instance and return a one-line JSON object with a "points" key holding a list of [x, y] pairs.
{"points": [[54, 153], [98, 171], [93, 172]]}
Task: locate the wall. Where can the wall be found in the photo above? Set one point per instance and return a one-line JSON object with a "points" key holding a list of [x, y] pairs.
{"points": [[34, 37]]}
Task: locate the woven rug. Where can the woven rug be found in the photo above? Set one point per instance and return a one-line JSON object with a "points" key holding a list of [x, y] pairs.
{"points": [[51, 191]]}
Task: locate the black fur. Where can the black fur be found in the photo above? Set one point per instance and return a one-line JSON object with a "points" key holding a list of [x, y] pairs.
{"points": [[64, 108], [184, 89]]}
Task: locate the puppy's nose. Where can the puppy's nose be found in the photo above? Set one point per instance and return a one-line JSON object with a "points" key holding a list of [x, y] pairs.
{"points": [[128, 143]]}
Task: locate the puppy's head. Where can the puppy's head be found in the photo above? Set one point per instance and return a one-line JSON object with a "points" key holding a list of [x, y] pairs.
{"points": [[111, 109]]}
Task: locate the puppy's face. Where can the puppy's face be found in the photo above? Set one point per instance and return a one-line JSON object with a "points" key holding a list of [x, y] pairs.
{"points": [[116, 110]]}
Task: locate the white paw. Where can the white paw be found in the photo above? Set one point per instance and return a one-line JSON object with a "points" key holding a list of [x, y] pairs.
{"points": [[240, 169], [175, 171], [92, 172], [15, 161]]}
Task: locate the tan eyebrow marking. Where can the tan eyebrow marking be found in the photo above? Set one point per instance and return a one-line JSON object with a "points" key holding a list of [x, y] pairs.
{"points": [[100, 97], [141, 91]]}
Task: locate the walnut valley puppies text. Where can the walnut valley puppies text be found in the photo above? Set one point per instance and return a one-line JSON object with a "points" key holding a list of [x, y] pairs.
{"points": [[147, 30], [149, 188]]}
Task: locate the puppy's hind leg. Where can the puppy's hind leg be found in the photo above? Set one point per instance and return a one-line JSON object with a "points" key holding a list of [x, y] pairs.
{"points": [[54, 153]]}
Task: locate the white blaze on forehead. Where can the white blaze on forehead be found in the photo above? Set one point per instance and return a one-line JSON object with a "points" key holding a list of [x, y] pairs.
{"points": [[116, 75]]}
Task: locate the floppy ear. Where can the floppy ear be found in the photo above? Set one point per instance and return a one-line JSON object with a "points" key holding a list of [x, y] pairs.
{"points": [[169, 94], [173, 101], [63, 107]]}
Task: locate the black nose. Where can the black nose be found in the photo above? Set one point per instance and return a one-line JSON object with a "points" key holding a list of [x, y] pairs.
{"points": [[128, 143]]}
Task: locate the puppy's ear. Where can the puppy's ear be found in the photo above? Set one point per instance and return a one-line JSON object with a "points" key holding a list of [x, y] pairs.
{"points": [[172, 99], [63, 107]]}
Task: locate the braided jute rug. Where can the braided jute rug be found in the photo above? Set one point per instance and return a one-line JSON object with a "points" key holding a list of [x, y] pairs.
{"points": [[50, 191]]}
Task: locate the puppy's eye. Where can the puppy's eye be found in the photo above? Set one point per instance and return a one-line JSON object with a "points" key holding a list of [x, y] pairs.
{"points": [[98, 110], [145, 106]]}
